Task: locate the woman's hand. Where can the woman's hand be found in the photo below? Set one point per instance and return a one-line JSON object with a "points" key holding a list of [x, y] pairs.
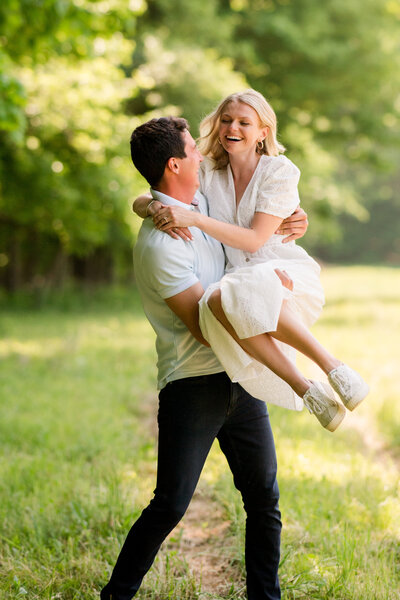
{"points": [[294, 227], [175, 221], [174, 216]]}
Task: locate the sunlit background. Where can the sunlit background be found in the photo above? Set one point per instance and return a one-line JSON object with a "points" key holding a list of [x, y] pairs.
{"points": [[76, 76], [77, 362]]}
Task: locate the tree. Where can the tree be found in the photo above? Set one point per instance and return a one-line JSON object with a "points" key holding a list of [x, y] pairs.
{"points": [[63, 159], [331, 71]]}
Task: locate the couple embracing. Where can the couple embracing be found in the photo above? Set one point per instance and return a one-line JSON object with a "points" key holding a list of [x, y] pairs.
{"points": [[227, 319]]}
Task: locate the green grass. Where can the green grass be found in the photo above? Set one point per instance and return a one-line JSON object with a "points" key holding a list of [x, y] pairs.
{"points": [[77, 426]]}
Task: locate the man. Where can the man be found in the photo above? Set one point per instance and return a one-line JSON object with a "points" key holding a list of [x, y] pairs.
{"points": [[197, 401]]}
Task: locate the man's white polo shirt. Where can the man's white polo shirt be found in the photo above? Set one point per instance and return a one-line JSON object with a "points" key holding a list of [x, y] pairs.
{"points": [[165, 267]]}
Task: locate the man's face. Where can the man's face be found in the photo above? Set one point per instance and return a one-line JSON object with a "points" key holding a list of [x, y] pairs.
{"points": [[190, 165]]}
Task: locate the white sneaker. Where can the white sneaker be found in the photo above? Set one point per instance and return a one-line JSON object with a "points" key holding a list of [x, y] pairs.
{"points": [[321, 402], [349, 385]]}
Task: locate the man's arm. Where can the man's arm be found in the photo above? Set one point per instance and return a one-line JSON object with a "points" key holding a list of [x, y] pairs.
{"points": [[186, 306]]}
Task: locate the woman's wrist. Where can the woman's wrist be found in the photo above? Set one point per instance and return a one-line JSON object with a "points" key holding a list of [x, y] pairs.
{"points": [[153, 207], [198, 219]]}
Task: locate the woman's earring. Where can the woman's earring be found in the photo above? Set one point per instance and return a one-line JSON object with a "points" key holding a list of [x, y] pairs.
{"points": [[260, 145], [219, 141]]}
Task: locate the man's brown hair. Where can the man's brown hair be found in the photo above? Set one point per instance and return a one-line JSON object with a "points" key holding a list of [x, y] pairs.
{"points": [[154, 143]]}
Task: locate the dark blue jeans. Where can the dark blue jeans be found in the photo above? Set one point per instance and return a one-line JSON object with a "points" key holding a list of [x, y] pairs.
{"points": [[192, 413]]}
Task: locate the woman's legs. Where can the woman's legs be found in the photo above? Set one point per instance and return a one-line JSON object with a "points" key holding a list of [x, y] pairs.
{"points": [[318, 397], [264, 349], [289, 330]]}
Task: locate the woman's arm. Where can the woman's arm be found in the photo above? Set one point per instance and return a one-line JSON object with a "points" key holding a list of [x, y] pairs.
{"points": [[144, 206], [247, 239]]}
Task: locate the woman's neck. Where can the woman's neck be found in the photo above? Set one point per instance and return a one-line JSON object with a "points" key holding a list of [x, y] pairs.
{"points": [[243, 165]]}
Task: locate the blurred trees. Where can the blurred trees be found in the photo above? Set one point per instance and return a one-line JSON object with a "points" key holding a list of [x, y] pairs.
{"points": [[63, 127], [331, 70], [76, 76]]}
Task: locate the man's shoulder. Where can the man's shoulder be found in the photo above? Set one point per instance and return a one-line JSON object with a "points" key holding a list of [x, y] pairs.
{"points": [[154, 247], [153, 240]]}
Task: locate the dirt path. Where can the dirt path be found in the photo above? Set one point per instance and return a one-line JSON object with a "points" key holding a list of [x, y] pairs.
{"points": [[203, 541]]}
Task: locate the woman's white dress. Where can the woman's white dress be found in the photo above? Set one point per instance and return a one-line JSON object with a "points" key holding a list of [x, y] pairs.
{"points": [[251, 292]]}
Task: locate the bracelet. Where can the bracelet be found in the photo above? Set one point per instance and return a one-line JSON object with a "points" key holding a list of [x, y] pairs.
{"points": [[148, 206]]}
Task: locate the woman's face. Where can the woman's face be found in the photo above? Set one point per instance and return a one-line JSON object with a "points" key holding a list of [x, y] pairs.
{"points": [[240, 128]]}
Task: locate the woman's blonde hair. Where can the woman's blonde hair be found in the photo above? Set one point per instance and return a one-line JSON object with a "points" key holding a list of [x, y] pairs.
{"points": [[208, 141]]}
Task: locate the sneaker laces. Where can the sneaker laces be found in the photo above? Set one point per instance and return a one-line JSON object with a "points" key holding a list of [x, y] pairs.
{"points": [[315, 405], [341, 380]]}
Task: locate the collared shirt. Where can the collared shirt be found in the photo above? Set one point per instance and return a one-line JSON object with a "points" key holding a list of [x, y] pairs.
{"points": [[165, 267]]}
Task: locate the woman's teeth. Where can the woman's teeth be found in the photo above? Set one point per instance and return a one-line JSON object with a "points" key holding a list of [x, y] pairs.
{"points": [[233, 138]]}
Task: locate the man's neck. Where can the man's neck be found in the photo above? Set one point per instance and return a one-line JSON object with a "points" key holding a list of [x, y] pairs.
{"points": [[183, 195]]}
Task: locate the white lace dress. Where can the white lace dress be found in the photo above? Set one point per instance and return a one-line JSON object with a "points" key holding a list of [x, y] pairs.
{"points": [[251, 292]]}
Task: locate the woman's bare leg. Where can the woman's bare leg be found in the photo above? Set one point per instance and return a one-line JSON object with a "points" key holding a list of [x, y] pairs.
{"points": [[291, 331], [318, 397], [264, 349]]}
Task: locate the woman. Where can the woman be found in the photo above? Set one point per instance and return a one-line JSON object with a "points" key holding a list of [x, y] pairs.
{"points": [[251, 188]]}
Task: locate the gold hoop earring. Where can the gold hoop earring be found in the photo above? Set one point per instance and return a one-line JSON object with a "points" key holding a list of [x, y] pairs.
{"points": [[219, 141], [260, 145]]}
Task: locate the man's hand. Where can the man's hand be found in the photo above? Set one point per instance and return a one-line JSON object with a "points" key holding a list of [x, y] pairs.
{"points": [[294, 227], [285, 279]]}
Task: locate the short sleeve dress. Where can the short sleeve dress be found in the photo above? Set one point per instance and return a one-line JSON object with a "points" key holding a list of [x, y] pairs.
{"points": [[251, 292]]}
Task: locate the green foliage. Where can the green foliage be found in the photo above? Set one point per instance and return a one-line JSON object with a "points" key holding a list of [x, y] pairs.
{"points": [[329, 69], [64, 163], [76, 76], [12, 101]]}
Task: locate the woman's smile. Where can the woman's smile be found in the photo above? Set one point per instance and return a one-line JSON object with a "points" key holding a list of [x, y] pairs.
{"points": [[240, 127]]}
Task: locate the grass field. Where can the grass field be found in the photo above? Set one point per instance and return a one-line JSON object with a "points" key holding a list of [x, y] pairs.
{"points": [[77, 426]]}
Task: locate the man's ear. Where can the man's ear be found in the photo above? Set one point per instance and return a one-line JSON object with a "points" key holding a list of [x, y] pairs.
{"points": [[173, 165]]}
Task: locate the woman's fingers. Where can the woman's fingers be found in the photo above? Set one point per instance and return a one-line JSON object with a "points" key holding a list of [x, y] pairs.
{"points": [[181, 232], [173, 216], [162, 217], [172, 234], [163, 224]]}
